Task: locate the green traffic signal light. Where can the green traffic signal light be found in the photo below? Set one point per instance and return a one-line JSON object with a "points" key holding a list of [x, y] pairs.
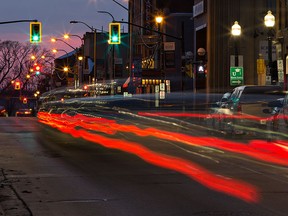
{"points": [[114, 33], [35, 32]]}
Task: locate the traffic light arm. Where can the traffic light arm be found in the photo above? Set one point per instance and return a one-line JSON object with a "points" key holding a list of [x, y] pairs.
{"points": [[159, 32], [18, 21]]}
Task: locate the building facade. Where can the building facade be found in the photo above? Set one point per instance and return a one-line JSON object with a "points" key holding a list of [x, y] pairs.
{"points": [[205, 26], [281, 38], [214, 18], [158, 47]]}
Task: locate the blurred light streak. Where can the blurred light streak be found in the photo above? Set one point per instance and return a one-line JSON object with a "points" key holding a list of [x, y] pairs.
{"points": [[236, 188], [200, 115], [259, 149]]}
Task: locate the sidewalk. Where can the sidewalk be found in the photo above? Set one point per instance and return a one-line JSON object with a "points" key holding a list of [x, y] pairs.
{"points": [[10, 203]]}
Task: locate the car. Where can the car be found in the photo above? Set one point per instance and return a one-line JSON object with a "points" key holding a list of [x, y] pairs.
{"points": [[284, 110], [249, 108], [24, 112]]}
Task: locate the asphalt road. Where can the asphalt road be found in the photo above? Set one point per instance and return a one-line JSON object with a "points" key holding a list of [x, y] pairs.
{"points": [[46, 172]]}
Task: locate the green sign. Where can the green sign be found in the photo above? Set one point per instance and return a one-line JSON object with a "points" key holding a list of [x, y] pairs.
{"points": [[236, 76]]}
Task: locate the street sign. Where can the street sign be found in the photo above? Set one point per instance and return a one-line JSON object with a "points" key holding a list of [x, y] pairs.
{"points": [[236, 76], [280, 68]]}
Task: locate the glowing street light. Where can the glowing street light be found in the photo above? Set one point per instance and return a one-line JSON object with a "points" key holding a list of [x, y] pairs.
{"points": [[68, 36], [54, 40], [236, 29], [236, 32], [269, 21], [159, 19], [65, 69]]}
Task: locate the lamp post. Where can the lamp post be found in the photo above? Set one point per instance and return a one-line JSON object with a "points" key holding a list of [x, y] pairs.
{"points": [[79, 57], [94, 46], [113, 46], [159, 21], [65, 68], [62, 50], [113, 54], [236, 32], [269, 21], [67, 36], [53, 40]]}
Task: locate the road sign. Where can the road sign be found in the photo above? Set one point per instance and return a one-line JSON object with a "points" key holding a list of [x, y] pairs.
{"points": [[236, 76]]}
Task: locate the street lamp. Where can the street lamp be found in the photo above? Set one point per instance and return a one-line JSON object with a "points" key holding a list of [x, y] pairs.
{"points": [[62, 50], [236, 32], [67, 36], [53, 40], [113, 46], [269, 21], [107, 13], [236, 29], [65, 68], [159, 21], [94, 45], [79, 56]]}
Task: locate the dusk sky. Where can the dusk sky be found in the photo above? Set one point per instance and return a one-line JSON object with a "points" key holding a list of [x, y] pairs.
{"points": [[55, 16]]}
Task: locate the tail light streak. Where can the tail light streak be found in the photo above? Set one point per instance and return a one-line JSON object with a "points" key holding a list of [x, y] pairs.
{"points": [[258, 149]]}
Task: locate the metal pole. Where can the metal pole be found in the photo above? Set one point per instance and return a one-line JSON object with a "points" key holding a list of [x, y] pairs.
{"points": [[113, 61], [269, 56], [94, 55], [94, 48], [18, 21], [120, 5], [131, 5], [236, 52]]}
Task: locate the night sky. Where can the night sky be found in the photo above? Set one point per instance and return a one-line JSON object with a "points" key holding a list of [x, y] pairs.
{"points": [[55, 16]]}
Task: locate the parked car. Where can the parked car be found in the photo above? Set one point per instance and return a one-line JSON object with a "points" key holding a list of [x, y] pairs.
{"points": [[285, 109], [250, 107], [22, 112]]}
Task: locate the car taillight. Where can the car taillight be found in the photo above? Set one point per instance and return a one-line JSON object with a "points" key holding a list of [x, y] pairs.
{"points": [[239, 108]]}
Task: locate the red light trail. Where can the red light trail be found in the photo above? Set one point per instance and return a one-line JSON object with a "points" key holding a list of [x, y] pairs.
{"points": [[87, 126]]}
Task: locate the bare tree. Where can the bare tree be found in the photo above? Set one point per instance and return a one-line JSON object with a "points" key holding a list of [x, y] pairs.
{"points": [[16, 64]]}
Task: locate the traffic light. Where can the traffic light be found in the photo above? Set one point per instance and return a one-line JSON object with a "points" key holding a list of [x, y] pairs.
{"points": [[17, 85], [25, 100], [114, 33], [35, 32], [37, 68]]}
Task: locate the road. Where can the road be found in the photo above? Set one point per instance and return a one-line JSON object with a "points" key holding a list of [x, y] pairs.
{"points": [[48, 172]]}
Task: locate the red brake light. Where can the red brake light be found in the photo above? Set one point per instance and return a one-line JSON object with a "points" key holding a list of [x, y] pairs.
{"points": [[239, 108]]}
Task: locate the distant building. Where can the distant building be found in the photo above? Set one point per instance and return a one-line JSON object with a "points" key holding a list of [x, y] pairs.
{"points": [[104, 57], [83, 70]]}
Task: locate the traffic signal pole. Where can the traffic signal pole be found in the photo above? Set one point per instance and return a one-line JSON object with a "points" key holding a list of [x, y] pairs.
{"points": [[17, 21]]}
